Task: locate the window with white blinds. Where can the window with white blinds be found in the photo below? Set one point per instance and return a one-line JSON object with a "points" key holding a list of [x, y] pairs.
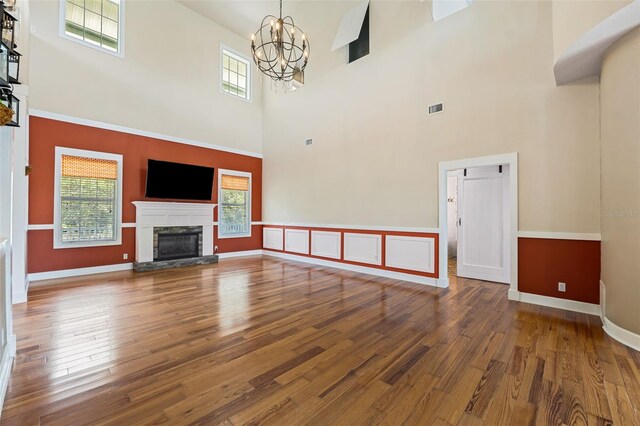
{"points": [[88, 194], [234, 195], [97, 23]]}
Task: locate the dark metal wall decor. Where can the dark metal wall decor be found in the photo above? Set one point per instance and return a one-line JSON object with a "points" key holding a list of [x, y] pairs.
{"points": [[9, 69], [279, 48]]}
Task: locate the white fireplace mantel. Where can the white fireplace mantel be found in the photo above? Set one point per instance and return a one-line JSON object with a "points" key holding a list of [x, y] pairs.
{"points": [[150, 214]]}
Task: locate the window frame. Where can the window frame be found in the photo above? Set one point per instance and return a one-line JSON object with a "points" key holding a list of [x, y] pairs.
{"points": [[249, 211], [238, 56], [57, 201], [62, 31]]}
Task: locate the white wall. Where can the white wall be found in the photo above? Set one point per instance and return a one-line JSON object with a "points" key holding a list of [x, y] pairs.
{"points": [[168, 82], [620, 86], [375, 152]]}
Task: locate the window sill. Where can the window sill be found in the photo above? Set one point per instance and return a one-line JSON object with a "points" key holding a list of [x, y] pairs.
{"points": [[224, 237], [118, 54], [87, 244]]}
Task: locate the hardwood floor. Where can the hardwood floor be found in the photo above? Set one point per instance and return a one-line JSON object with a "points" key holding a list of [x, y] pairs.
{"points": [[266, 341]]}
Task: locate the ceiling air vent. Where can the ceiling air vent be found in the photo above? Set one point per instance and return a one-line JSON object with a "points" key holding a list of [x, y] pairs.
{"points": [[434, 109]]}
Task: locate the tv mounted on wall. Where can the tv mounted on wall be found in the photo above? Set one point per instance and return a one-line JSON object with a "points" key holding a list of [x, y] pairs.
{"points": [[178, 181]]}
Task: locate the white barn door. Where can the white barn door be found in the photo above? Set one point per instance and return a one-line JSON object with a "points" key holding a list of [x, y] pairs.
{"points": [[483, 223]]}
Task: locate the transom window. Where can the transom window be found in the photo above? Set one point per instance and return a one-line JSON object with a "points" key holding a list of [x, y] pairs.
{"points": [[236, 75], [88, 198], [234, 196], [94, 22]]}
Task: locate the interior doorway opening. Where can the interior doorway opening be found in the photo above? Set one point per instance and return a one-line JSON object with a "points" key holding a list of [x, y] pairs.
{"points": [[489, 209], [452, 222], [478, 223]]}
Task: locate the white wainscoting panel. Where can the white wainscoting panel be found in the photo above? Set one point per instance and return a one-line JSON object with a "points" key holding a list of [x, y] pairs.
{"points": [[411, 253], [272, 238], [325, 244], [363, 248], [296, 241]]}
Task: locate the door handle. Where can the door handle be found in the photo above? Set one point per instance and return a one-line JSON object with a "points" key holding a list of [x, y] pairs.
{"points": [[459, 221]]}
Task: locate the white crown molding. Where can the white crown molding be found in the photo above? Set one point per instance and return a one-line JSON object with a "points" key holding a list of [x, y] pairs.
{"points": [[355, 227], [434, 282], [560, 235], [554, 302], [129, 130]]}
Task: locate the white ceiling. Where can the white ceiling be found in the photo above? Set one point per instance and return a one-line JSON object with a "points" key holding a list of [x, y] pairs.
{"points": [[240, 16]]}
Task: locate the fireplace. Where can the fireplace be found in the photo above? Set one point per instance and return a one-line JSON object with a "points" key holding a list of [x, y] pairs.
{"points": [[177, 242], [173, 235]]}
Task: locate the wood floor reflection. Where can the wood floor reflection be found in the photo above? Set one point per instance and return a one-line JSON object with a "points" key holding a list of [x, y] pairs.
{"points": [[265, 341]]}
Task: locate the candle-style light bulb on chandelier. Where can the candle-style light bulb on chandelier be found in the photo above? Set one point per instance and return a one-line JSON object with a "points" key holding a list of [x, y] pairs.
{"points": [[279, 48]]}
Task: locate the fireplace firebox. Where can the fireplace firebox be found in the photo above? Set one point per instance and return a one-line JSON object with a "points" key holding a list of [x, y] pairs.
{"points": [[177, 242]]}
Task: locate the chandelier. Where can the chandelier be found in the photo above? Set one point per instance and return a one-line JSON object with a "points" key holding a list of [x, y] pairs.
{"points": [[279, 48]]}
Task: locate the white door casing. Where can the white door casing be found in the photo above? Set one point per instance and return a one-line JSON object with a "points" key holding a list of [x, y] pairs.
{"points": [[483, 224]]}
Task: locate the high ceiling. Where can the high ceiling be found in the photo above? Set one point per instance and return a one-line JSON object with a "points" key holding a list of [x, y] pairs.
{"points": [[240, 16]]}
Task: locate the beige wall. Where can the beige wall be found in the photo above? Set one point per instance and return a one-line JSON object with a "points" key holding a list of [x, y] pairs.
{"points": [[375, 154], [620, 114], [572, 18], [168, 83]]}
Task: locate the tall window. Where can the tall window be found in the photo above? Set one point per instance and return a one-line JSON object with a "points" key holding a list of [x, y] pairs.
{"points": [[234, 195], [236, 75], [94, 22], [88, 198]]}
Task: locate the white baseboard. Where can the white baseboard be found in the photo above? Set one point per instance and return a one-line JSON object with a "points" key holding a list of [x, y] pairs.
{"points": [[554, 302], [239, 254], [613, 330], [362, 269], [603, 301], [5, 368], [621, 335], [20, 297], [65, 273]]}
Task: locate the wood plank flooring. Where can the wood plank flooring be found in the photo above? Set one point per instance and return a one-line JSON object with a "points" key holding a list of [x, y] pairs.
{"points": [[265, 341]]}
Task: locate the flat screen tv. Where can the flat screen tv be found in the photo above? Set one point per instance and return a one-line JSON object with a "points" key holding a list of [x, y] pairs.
{"points": [[178, 181]]}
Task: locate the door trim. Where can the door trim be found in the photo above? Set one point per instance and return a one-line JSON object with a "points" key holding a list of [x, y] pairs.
{"points": [[492, 160]]}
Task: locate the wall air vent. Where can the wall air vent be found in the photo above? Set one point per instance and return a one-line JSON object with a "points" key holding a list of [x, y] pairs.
{"points": [[434, 109]]}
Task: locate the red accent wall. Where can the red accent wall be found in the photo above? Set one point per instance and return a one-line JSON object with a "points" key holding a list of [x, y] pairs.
{"points": [[342, 231], [46, 134], [542, 263]]}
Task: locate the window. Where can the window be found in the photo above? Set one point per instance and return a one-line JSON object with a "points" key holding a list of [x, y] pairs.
{"points": [[96, 23], [236, 75], [88, 198], [234, 196]]}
